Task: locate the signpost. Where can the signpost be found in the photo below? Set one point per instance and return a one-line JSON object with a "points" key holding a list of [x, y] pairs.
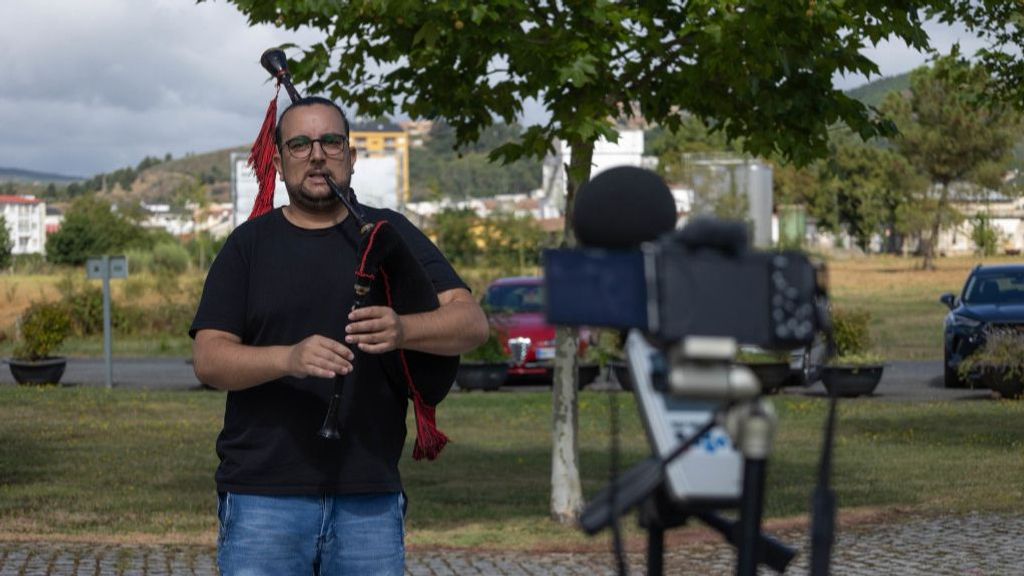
{"points": [[107, 267]]}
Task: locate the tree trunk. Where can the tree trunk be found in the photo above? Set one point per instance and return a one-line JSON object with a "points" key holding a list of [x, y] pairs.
{"points": [[930, 244], [566, 491]]}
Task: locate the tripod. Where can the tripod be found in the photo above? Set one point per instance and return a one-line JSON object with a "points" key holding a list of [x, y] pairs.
{"points": [[645, 485], [750, 420], [727, 396]]}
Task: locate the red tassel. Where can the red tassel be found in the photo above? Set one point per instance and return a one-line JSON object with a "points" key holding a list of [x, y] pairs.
{"points": [[262, 161], [429, 440]]}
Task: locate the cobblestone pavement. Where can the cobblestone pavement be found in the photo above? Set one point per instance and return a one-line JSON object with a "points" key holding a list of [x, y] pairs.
{"points": [[971, 545]]}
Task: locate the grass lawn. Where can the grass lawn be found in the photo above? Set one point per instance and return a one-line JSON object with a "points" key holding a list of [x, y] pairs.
{"points": [[903, 300], [138, 466]]}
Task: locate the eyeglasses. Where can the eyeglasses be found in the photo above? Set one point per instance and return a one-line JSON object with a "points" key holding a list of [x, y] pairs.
{"points": [[332, 144]]}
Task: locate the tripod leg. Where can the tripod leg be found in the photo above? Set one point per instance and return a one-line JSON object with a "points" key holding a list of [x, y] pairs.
{"points": [[756, 434], [750, 516], [655, 550]]}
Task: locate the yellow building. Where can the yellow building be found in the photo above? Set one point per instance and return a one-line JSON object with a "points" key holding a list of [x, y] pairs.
{"points": [[377, 141]]}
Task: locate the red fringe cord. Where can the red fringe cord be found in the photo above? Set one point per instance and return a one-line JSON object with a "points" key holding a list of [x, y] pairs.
{"points": [[262, 161]]}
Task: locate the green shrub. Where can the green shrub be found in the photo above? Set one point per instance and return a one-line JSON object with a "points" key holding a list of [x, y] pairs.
{"points": [[605, 347], [44, 327], [163, 318], [170, 259], [985, 236], [135, 287], [1003, 349], [850, 327], [31, 264], [490, 351], [6, 244], [84, 304], [139, 260]]}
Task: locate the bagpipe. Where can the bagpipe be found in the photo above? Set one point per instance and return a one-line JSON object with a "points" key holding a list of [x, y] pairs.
{"points": [[388, 274]]}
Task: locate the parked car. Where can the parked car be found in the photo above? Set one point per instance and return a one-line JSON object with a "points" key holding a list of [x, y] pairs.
{"points": [[515, 307], [805, 363], [992, 296]]}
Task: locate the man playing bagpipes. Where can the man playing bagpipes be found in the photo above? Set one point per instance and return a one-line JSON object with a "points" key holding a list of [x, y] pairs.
{"points": [[276, 328]]}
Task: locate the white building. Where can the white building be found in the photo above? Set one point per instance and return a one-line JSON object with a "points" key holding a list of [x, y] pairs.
{"points": [[26, 223], [216, 219], [715, 178], [628, 151], [1005, 216]]}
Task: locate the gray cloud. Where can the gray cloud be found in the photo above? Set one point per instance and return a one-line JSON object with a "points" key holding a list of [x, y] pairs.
{"points": [[94, 86], [895, 57]]}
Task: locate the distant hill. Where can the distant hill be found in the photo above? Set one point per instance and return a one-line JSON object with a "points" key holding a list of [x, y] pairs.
{"points": [[874, 93], [30, 176], [210, 166]]}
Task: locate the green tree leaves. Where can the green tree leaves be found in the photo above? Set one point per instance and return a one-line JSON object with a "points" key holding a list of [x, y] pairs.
{"points": [[6, 244], [951, 132], [90, 228], [507, 244], [761, 70]]}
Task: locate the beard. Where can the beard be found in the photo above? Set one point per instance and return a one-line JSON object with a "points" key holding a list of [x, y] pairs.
{"points": [[317, 204]]}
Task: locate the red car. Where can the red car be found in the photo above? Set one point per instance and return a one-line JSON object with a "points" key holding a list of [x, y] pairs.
{"points": [[515, 307]]}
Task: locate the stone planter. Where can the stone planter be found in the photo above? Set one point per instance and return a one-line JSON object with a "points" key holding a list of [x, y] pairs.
{"points": [[481, 376], [851, 381], [622, 375], [586, 374], [38, 372], [772, 375]]}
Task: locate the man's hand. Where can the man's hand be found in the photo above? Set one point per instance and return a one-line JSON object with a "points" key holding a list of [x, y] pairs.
{"points": [[375, 329], [319, 356]]}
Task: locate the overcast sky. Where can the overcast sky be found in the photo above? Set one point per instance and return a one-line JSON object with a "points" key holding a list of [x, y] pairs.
{"points": [[90, 86]]}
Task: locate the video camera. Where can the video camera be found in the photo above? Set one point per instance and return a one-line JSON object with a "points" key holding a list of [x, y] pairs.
{"points": [[690, 298], [702, 280]]}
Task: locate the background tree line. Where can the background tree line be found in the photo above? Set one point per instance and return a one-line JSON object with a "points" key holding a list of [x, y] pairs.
{"points": [[954, 143], [440, 169], [503, 243]]}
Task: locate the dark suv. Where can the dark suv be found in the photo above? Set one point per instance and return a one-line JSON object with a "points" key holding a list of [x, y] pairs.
{"points": [[993, 297]]}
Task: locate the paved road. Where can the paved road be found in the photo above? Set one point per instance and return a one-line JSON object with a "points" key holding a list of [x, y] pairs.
{"points": [[908, 381], [904, 381], [901, 381], [142, 373]]}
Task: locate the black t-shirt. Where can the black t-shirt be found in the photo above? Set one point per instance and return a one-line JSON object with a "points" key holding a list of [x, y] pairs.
{"points": [[274, 283]]}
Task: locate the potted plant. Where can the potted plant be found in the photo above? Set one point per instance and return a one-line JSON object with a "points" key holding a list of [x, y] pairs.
{"points": [[998, 364], [43, 328], [855, 370], [770, 366], [485, 367], [605, 354]]}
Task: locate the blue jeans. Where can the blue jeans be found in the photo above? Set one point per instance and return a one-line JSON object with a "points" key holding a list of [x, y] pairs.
{"points": [[357, 534]]}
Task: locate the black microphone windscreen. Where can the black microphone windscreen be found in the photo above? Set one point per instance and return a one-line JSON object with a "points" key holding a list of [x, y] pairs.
{"points": [[622, 208]]}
